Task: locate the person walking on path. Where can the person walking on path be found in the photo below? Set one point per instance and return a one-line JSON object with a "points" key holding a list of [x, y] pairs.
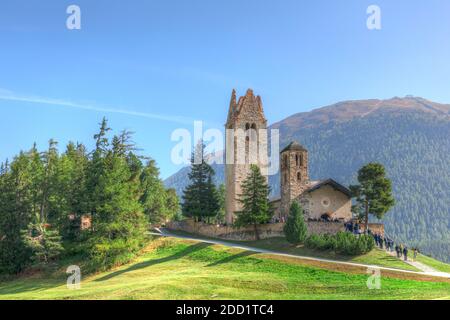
{"points": [[405, 253]]}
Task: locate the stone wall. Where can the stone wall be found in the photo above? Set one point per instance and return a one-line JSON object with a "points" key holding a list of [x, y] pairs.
{"points": [[375, 228], [266, 231]]}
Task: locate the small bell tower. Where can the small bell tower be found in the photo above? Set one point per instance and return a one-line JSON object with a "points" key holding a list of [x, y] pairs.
{"points": [[294, 177]]}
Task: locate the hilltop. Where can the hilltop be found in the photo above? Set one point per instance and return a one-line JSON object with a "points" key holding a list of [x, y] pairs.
{"points": [[409, 136]]}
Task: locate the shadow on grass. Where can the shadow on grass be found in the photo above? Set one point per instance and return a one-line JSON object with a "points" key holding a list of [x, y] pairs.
{"points": [[28, 286], [232, 258], [148, 263]]}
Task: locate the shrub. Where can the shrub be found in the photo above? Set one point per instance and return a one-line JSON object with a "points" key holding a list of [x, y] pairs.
{"points": [[295, 228], [343, 243]]}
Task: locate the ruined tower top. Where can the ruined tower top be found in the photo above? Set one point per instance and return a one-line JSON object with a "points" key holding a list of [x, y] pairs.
{"points": [[248, 106], [246, 144]]}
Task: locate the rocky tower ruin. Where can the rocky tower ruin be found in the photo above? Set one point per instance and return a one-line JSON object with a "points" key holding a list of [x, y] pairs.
{"points": [[245, 145], [294, 177]]}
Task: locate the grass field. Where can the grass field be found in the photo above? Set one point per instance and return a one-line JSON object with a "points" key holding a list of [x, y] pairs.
{"points": [[436, 264], [375, 257], [179, 269]]}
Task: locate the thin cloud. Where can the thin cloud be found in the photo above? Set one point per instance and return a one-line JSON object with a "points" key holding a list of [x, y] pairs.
{"points": [[11, 96]]}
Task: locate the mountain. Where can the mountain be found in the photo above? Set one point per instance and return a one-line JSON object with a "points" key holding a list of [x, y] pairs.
{"points": [[410, 136]]}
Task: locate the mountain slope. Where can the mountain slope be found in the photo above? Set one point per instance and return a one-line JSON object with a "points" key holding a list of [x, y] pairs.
{"points": [[410, 136]]}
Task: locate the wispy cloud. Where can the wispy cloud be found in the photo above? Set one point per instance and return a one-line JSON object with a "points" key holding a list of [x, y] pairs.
{"points": [[11, 96]]}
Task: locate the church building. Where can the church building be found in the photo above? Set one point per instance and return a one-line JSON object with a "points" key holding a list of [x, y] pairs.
{"points": [[321, 200]]}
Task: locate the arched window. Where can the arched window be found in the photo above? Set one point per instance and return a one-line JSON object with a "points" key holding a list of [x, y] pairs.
{"points": [[285, 159], [299, 176], [285, 178], [301, 160], [253, 126], [247, 126], [296, 160]]}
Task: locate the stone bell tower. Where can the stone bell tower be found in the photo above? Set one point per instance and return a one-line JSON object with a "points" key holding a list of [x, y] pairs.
{"points": [[246, 144], [294, 176]]}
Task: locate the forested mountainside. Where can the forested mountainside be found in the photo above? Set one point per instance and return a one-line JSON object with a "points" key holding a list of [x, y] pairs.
{"points": [[410, 136]]}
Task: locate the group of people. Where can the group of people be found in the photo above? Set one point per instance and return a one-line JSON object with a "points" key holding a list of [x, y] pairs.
{"points": [[384, 242], [353, 227]]}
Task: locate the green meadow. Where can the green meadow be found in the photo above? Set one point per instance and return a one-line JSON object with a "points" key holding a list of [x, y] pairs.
{"points": [[179, 269]]}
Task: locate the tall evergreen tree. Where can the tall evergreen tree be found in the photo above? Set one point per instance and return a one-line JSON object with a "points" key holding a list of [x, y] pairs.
{"points": [[295, 228], [373, 193], [153, 197], [16, 208], [172, 203], [221, 192], [256, 208], [119, 223], [71, 193], [200, 198]]}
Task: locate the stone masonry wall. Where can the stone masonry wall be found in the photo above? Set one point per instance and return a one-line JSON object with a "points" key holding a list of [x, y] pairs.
{"points": [[266, 231]]}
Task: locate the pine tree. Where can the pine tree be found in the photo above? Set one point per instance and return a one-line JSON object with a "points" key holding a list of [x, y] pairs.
{"points": [[43, 242], [200, 198], [295, 228], [373, 193], [221, 215], [16, 209], [153, 197], [71, 192], [255, 201], [119, 223], [172, 203]]}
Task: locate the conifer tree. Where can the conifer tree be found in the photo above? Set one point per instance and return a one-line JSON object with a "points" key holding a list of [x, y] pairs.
{"points": [[153, 197], [43, 242], [119, 223], [200, 198], [221, 214], [295, 228], [71, 193], [256, 208], [373, 194], [16, 207]]}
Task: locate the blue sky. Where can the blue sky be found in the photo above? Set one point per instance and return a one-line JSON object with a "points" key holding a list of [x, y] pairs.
{"points": [[155, 66]]}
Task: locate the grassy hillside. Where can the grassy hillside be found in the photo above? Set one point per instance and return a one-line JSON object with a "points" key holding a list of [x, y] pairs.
{"points": [[376, 257], [436, 264], [178, 269]]}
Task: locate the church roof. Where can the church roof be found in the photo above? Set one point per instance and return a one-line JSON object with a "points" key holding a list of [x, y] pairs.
{"points": [[294, 145], [332, 183]]}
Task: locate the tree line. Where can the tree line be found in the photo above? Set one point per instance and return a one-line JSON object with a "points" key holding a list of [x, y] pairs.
{"points": [[45, 195]]}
